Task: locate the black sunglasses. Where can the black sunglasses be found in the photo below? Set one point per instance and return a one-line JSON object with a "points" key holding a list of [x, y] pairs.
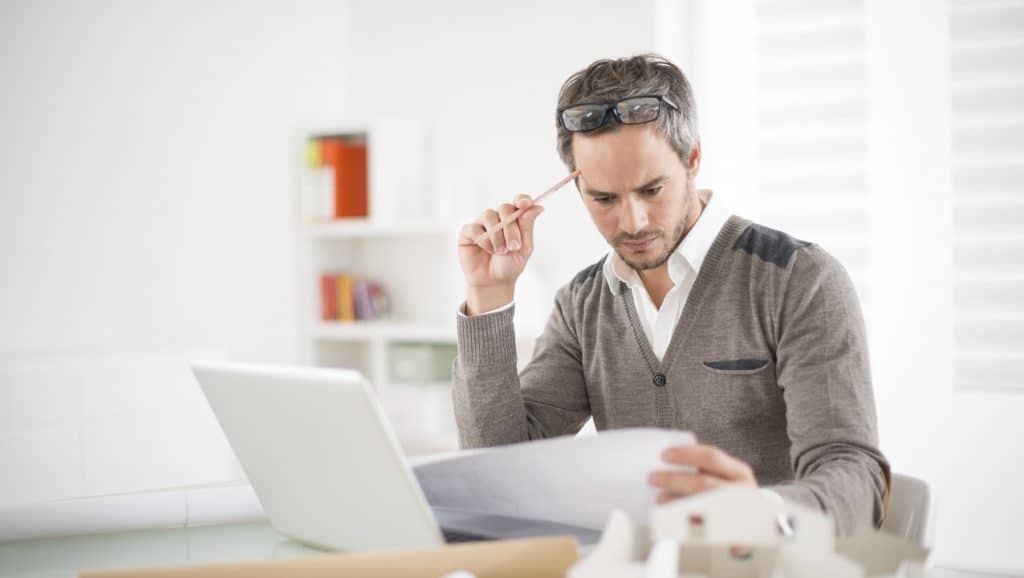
{"points": [[632, 110]]}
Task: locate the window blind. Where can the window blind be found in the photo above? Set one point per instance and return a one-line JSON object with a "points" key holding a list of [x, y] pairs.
{"points": [[987, 83]]}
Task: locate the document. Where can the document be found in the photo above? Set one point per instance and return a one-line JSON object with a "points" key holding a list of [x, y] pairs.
{"points": [[576, 481]]}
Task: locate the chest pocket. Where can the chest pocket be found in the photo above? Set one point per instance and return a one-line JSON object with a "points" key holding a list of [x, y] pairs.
{"points": [[744, 366], [741, 391]]}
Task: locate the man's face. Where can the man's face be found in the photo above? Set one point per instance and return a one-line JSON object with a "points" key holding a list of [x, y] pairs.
{"points": [[639, 193]]}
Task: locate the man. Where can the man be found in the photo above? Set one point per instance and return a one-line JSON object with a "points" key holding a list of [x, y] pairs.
{"points": [[697, 319]]}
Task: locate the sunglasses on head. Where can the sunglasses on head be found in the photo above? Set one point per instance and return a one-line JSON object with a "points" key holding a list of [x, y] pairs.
{"points": [[632, 110]]}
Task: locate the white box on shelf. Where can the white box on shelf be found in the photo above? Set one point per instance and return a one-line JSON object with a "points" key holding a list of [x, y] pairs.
{"points": [[398, 189]]}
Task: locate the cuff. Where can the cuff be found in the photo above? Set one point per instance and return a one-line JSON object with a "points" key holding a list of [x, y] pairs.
{"points": [[487, 339], [462, 309]]}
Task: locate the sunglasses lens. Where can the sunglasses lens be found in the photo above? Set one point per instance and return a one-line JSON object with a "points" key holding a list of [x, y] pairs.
{"points": [[583, 117], [638, 110]]}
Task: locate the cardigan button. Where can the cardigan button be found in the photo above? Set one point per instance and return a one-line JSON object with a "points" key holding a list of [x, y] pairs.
{"points": [[660, 380]]}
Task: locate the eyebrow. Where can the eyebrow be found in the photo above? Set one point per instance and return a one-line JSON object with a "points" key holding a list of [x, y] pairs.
{"points": [[653, 183]]}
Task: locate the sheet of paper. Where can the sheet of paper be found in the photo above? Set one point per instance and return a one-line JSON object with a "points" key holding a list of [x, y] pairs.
{"points": [[569, 480]]}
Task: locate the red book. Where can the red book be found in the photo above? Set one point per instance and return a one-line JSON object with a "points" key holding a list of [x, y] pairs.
{"points": [[348, 159], [329, 297]]}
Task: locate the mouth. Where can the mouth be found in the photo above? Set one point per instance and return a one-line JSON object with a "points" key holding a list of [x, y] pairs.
{"points": [[639, 246]]}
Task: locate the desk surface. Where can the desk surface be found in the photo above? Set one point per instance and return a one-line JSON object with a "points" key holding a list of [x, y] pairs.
{"points": [[65, 556]]}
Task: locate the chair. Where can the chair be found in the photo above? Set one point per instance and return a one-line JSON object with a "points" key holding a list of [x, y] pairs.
{"points": [[910, 503]]}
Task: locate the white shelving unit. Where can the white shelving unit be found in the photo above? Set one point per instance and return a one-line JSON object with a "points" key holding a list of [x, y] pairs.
{"points": [[413, 266], [383, 330], [413, 256]]}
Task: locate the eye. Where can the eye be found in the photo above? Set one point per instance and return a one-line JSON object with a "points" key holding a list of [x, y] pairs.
{"points": [[603, 200], [651, 191]]}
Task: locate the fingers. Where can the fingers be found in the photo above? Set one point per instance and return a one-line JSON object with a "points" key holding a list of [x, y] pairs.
{"points": [[710, 460], [711, 468], [494, 241], [678, 484], [666, 496], [479, 232], [512, 238], [522, 202], [519, 233], [470, 232], [528, 214]]}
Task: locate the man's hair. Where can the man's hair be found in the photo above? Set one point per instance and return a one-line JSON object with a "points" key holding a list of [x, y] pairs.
{"points": [[608, 81]]}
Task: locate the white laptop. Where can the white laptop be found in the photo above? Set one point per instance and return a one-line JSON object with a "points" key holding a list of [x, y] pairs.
{"points": [[327, 468]]}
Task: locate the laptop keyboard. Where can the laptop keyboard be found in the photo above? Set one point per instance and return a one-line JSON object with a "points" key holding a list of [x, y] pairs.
{"points": [[455, 537]]}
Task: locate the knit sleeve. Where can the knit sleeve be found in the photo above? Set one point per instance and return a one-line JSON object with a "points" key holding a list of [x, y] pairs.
{"points": [[493, 404], [823, 369]]}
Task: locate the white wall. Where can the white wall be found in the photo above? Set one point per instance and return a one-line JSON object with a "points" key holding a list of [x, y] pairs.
{"points": [[145, 211], [484, 78], [146, 195]]}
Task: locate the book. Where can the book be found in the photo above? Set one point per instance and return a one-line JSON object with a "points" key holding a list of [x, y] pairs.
{"points": [[345, 297], [346, 304], [328, 297], [364, 307], [379, 299], [314, 153], [347, 158], [317, 181]]}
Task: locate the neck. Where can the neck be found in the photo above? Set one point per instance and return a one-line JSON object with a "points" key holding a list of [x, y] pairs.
{"points": [[657, 281]]}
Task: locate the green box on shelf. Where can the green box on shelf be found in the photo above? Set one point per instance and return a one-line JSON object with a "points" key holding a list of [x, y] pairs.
{"points": [[419, 362]]}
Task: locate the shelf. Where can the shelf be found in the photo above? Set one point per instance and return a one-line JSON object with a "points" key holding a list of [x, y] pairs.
{"points": [[368, 228], [384, 330]]}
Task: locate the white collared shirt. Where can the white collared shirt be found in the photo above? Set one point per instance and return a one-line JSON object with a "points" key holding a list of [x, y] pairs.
{"points": [[683, 266]]}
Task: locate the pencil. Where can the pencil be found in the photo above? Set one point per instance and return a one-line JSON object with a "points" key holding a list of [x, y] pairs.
{"points": [[512, 218]]}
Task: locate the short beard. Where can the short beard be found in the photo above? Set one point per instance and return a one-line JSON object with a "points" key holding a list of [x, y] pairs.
{"points": [[677, 237]]}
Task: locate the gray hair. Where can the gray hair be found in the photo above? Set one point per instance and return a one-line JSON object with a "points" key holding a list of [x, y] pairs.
{"points": [[607, 81]]}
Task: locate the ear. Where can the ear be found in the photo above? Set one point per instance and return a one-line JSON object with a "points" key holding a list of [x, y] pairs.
{"points": [[693, 163]]}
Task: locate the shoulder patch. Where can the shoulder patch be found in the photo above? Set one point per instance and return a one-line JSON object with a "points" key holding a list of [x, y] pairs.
{"points": [[589, 272], [770, 245]]}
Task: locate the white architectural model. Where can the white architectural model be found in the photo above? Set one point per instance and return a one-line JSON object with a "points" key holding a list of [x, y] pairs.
{"points": [[737, 532]]}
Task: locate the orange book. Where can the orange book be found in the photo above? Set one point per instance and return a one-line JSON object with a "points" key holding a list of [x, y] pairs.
{"points": [[348, 159]]}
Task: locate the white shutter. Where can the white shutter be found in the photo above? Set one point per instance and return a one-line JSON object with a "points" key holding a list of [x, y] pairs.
{"points": [[812, 127], [987, 75]]}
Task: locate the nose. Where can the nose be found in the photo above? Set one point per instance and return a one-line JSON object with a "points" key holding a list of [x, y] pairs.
{"points": [[634, 216]]}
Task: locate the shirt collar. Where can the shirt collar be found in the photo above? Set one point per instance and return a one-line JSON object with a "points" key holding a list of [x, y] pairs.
{"points": [[690, 253]]}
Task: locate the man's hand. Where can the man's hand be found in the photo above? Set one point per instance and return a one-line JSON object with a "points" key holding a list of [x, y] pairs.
{"points": [[492, 265], [714, 468]]}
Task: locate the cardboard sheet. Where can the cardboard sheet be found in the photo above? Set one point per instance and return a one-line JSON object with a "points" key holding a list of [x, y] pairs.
{"points": [[539, 558]]}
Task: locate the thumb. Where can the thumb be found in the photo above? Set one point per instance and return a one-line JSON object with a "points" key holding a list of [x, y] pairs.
{"points": [[526, 221]]}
